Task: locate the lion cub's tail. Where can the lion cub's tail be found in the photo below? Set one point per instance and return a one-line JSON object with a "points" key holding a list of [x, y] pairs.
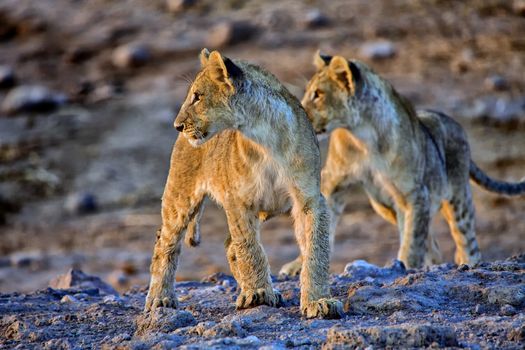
{"points": [[483, 180]]}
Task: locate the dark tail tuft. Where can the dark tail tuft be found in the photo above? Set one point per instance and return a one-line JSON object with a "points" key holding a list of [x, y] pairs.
{"points": [[502, 187]]}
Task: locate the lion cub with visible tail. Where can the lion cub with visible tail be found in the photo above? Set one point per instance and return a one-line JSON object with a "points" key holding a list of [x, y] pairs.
{"points": [[247, 143], [411, 164]]}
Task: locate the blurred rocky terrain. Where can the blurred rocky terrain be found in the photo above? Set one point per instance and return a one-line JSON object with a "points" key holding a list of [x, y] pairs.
{"points": [[89, 91], [440, 307]]}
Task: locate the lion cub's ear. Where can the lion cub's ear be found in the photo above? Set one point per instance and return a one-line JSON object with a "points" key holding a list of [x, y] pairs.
{"points": [[219, 72], [320, 60], [341, 72], [204, 55]]}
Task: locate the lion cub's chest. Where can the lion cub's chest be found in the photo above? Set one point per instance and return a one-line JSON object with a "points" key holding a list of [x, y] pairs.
{"points": [[266, 187], [246, 175]]}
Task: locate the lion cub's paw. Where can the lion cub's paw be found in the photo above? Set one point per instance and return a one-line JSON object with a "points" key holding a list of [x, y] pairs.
{"points": [[161, 300], [261, 296], [293, 268], [325, 308]]}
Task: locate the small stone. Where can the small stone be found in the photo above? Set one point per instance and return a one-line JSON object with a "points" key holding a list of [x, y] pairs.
{"points": [[230, 33], [81, 296], [463, 267], [496, 83], [378, 50], [131, 55], [111, 299], [68, 299], [226, 283], [81, 203], [31, 98], [177, 6], [7, 77], [508, 310], [315, 19]]}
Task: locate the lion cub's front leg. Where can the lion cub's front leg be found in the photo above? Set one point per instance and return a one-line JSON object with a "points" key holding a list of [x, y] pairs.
{"points": [[177, 210], [248, 260], [312, 223]]}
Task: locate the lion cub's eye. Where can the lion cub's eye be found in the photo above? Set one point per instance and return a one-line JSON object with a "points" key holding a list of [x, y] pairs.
{"points": [[195, 98], [316, 94]]}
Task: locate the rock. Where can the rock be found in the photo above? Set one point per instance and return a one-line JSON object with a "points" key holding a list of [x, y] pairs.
{"points": [[163, 320], [480, 309], [16, 329], [496, 83], [177, 6], [378, 50], [463, 62], [120, 338], [81, 203], [230, 33], [33, 260], [517, 334], [508, 310], [227, 343], [31, 98], [55, 344], [494, 109], [131, 55], [227, 328], [112, 299], [68, 299], [463, 267], [518, 6], [360, 270], [315, 19], [77, 278], [155, 341], [406, 336], [502, 295], [7, 77], [118, 279]]}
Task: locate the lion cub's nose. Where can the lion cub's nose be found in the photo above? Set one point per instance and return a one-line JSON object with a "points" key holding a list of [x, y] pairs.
{"points": [[179, 127]]}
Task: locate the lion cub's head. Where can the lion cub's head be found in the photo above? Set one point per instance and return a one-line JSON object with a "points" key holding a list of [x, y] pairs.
{"points": [[330, 91], [206, 110]]}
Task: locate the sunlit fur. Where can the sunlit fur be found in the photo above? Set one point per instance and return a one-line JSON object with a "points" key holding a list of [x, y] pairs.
{"points": [[411, 164], [246, 142]]}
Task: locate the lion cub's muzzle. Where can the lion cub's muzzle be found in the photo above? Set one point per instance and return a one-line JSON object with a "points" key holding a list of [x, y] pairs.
{"points": [[194, 134]]}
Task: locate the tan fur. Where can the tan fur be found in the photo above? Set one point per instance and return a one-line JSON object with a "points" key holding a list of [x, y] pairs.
{"points": [[411, 164], [246, 142]]}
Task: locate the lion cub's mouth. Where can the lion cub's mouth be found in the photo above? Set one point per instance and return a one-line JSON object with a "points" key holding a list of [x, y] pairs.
{"points": [[197, 138]]}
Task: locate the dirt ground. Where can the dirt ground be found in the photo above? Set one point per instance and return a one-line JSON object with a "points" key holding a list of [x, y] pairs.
{"points": [[80, 184], [440, 307]]}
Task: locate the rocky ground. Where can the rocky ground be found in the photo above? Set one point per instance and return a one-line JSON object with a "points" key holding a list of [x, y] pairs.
{"points": [[88, 94], [444, 306]]}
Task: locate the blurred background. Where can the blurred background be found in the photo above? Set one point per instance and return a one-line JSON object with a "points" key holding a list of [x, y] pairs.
{"points": [[89, 91]]}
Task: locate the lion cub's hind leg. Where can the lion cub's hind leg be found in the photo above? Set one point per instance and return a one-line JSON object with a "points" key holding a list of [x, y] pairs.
{"points": [[413, 223], [248, 261], [459, 213]]}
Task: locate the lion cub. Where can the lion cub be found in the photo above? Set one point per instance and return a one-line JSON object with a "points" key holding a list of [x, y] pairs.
{"points": [[247, 143], [410, 164]]}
